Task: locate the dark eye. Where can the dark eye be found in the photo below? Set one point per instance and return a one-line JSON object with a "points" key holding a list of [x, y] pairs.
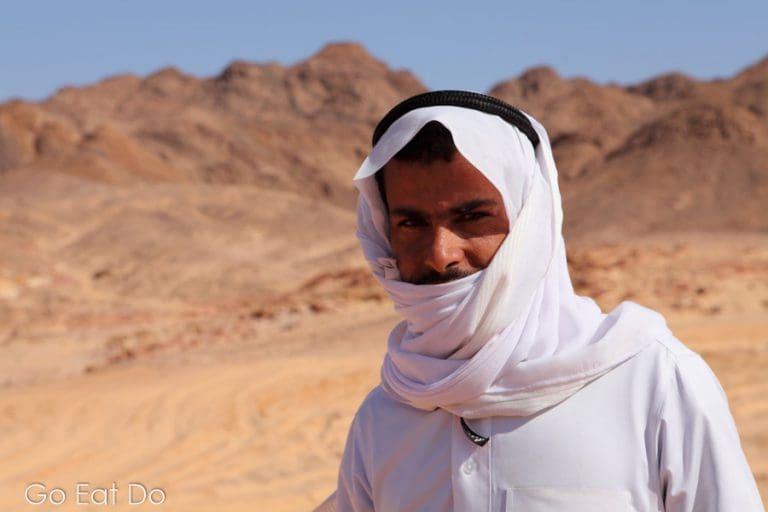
{"points": [[411, 222], [472, 216]]}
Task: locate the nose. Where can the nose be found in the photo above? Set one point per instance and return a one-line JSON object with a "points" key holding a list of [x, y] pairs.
{"points": [[445, 251]]}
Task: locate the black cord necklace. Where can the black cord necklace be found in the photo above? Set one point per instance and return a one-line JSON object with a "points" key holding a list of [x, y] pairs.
{"points": [[472, 435]]}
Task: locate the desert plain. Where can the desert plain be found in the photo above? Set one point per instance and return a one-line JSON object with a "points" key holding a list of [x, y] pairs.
{"points": [[183, 303]]}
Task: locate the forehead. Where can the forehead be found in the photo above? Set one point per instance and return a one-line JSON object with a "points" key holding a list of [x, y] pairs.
{"points": [[435, 184]]}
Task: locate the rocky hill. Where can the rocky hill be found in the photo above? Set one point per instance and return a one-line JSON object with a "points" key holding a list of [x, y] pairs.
{"points": [[302, 128], [669, 154]]}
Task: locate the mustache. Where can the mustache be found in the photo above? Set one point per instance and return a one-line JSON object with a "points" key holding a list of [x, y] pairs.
{"points": [[435, 277]]}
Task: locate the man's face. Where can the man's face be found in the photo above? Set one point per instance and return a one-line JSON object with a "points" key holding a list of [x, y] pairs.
{"points": [[446, 219]]}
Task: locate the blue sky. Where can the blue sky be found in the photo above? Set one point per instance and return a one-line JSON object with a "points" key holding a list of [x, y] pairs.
{"points": [[447, 44]]}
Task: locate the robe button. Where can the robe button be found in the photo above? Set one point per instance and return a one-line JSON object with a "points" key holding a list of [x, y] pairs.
{"points": [[468, 467]]}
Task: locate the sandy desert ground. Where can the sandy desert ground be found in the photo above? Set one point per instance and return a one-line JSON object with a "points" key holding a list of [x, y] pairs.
{"points": [[251, 412]]}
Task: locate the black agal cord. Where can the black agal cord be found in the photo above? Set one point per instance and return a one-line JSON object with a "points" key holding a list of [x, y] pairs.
{"points": [[472, 435], [465, 99]]}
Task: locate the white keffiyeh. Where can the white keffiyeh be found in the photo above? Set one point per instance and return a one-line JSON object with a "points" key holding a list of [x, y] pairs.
{"points": [[513, 338]]}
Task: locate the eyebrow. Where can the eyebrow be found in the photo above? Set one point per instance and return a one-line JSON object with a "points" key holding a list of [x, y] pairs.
{"points": [[465, 207], [473, 204]]}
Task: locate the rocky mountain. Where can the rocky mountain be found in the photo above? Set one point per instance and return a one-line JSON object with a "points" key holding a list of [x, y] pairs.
{"points": [[302, 128], [669, 154]]}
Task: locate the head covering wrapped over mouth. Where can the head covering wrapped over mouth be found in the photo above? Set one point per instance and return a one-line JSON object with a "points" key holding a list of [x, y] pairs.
{"points": [[513, 338]]}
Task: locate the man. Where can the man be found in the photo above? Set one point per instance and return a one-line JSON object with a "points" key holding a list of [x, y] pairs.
{"points": [[502, 389]]}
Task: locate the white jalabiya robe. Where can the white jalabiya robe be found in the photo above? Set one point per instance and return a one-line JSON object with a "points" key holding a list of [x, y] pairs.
{"points": [[653, 434]]}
